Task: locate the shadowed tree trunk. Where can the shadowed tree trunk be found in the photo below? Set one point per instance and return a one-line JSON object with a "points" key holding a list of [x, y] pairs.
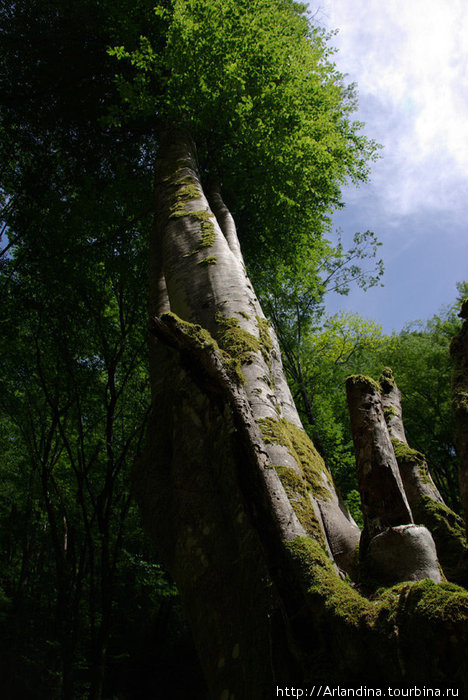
{"points": [[392, 547], [459, 352], [426, 503], [240, 504]]}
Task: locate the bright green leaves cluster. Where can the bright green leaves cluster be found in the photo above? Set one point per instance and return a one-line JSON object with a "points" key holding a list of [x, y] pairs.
{"points": [[254, 84]]}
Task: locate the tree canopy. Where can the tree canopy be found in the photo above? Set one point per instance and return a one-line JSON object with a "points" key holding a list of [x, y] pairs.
{"points": [[255, 86], [254, 83]]}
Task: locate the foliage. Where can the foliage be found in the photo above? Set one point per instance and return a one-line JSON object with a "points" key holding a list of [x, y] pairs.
{"points": [[420, 360], [255, 86], [74, 398], [423, 371]]}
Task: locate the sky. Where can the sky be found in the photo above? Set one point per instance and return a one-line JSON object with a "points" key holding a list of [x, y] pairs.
{"points": [[409, 59]]}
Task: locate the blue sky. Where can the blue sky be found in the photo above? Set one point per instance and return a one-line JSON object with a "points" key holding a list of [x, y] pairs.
{"points": [[410, 61]]}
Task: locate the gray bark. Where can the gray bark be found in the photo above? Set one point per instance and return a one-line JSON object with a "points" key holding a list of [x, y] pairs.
{"points": [[392, 548], [207, 284], [459, 352], [384, 502], [415, 474], [239, 504], [426, 503]]}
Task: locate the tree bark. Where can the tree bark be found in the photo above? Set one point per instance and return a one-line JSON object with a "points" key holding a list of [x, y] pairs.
{"points": [[426, 503], [241, 507], [207, 284], [459, 352], [392, 548]]}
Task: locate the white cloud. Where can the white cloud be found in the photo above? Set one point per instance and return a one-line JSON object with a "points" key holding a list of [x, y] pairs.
{"points": [[410, 60]]}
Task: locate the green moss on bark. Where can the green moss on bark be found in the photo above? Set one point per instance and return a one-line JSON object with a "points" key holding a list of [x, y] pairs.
{"points": [[237, 342], [361, 379], [299, 498], [386, 380], [422, 601], [266, 344], [198, 335], [444, 524], [447, 530], [322, 582], [202, 339], [426, 600], [460, 401], [389, 412], [406, 454], [301, 448], [186, 191]]}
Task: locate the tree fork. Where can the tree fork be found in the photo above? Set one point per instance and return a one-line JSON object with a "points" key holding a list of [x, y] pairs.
{"points": [[426, 503], [219, 296], [392, 547], [264, 610], [243, 515]]}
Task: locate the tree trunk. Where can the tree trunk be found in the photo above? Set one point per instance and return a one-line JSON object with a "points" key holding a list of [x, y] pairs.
{"points": [[459, 352], [392, 547], [426, 503], [238, 501]]}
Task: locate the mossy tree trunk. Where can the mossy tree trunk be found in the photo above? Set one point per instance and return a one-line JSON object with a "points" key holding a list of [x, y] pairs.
{"points": [[239, 503], [459, 352], [427, 505], [392, 547]]}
